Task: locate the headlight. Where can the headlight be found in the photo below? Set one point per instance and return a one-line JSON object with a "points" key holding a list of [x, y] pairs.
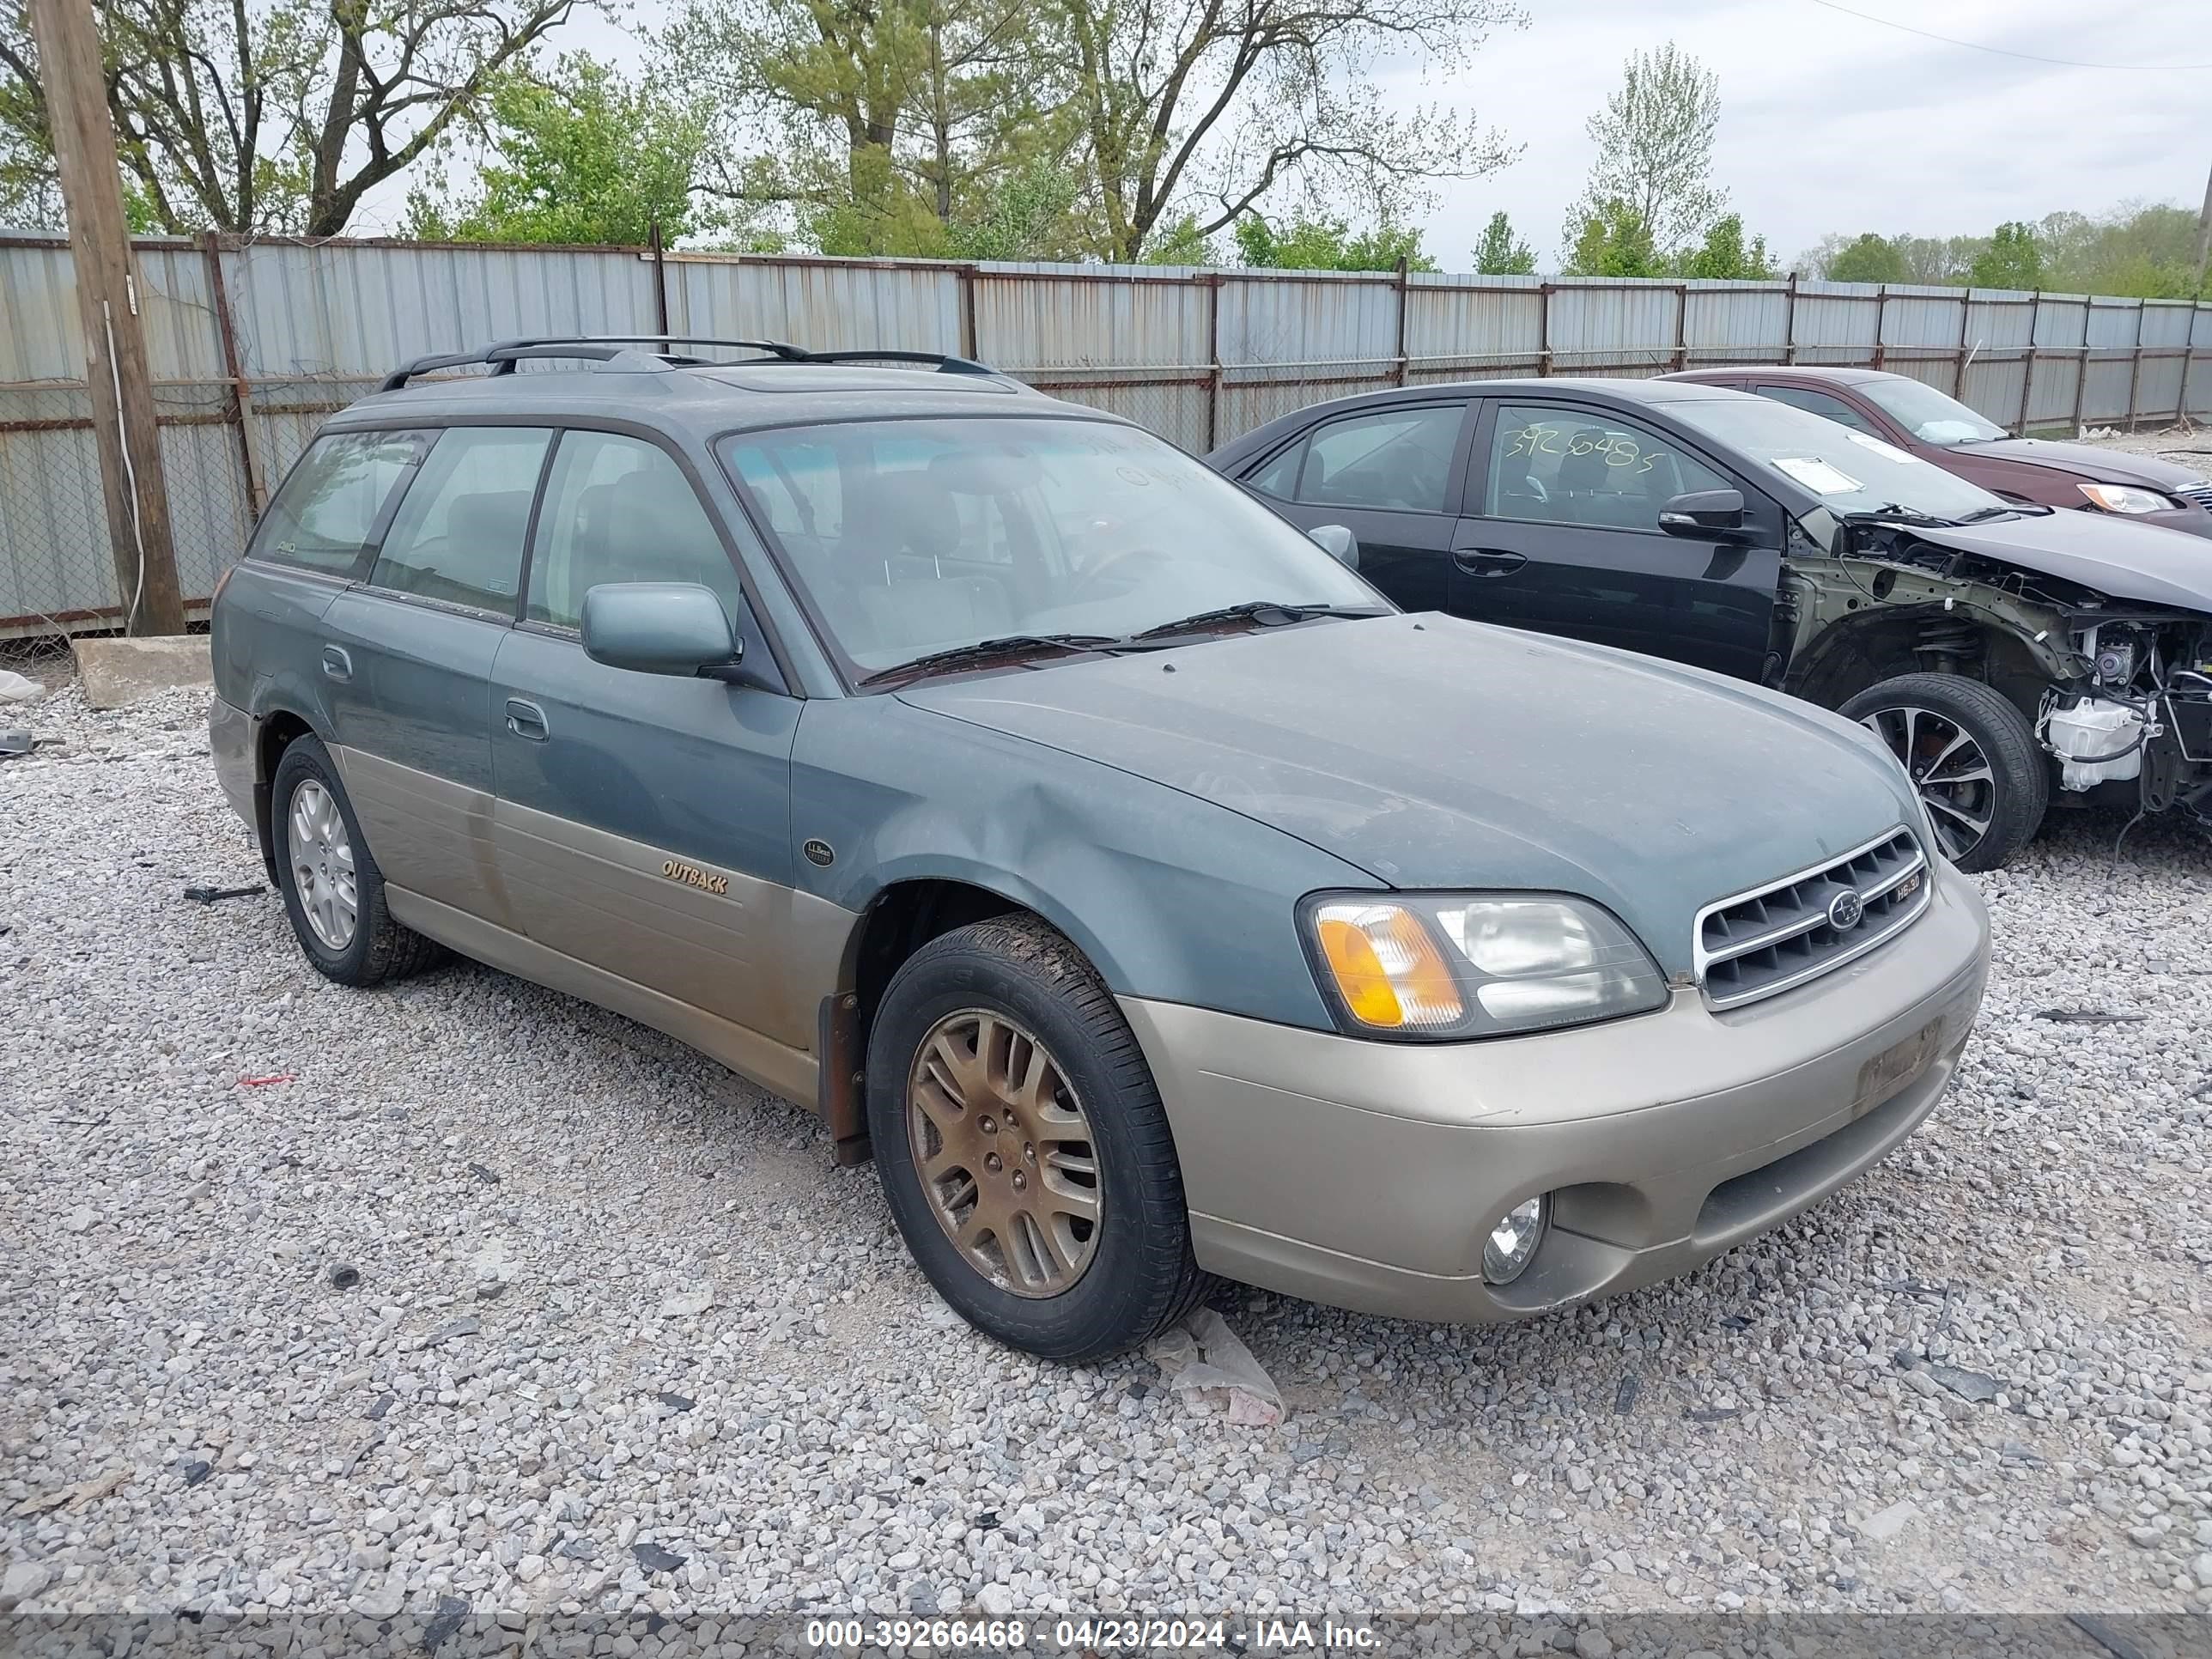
{"points": [[1474, 964], [2126, 498]]}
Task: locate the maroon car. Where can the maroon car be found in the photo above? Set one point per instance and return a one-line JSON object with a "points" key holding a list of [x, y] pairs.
{"points": [[1924, 421]]}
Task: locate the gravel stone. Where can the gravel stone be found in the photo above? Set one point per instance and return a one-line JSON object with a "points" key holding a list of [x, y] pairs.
{"points": [[851, 1446]]}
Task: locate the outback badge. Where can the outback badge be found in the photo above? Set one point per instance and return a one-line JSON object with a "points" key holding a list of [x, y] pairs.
{"points": [[692, 875]]}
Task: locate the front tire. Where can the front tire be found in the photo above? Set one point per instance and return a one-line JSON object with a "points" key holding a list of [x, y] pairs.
{"points": [[1023, 1148], [1973, 758], [333, 890]]}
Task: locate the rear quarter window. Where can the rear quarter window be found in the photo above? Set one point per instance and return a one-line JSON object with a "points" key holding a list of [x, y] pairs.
{"points": [[330, 506]]}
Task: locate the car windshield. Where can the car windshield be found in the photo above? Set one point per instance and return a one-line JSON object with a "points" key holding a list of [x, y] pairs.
{"points": [[1848, 470], [1928, 414], [911, 537]]}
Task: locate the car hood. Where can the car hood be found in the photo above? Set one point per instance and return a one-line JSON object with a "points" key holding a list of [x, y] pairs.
{"points": [[2087, 461], [1433, 752], [2117, 556]]}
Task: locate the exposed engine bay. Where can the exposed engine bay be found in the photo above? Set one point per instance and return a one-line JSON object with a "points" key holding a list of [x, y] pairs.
{"points": [[2118, 692]]}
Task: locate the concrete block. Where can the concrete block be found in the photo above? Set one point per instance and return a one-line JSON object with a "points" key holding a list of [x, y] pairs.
{"points": [[115, 673]]}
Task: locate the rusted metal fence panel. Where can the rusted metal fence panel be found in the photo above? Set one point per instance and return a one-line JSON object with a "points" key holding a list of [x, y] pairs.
{"points": [[254, 342]]}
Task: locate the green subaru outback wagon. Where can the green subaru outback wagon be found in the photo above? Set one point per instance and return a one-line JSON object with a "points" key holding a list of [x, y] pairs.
{"points": [[1098, 852]]}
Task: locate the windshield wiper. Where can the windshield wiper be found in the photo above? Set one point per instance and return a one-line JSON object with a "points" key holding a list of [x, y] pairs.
{"points": [[1268, 613], [983, 651], [1892, 510], [1983, 515]]}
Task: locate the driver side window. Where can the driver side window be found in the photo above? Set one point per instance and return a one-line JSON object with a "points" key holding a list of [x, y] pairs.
{"points": [[458, 537]]}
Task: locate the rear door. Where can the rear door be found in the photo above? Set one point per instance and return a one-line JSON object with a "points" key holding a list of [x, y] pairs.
{"points": [[407, 660], [1392, 476], [643, 822], [1562, 535]]}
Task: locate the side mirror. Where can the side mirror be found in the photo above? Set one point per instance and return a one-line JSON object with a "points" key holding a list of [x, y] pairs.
{"points": [[1703, 512], [660, 627], [1339, 542]]}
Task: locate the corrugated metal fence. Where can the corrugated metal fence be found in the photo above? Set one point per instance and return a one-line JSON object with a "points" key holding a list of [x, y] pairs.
{"points": [[254, 342]]}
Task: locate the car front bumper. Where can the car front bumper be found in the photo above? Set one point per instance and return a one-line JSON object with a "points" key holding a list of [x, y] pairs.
{"points": [[1367, 1175]]}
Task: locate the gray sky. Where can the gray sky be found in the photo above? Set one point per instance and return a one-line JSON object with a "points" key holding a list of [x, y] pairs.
{"points": [[1828, 123]]}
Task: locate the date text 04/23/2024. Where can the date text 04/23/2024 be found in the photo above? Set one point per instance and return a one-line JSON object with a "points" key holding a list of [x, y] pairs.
{"points": [[1097, 1635]]}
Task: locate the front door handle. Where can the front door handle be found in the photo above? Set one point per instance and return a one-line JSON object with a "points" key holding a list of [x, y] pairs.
{"points": [[1488, 561], [337, 664], [526, 720]]}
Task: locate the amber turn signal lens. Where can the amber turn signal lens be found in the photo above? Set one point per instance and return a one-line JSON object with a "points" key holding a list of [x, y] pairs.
{"points": [[1386, 968]]}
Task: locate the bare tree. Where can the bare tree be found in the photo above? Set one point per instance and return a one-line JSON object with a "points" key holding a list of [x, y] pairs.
{"points": [[1197, 110], [248, 115], [1655, 150]]}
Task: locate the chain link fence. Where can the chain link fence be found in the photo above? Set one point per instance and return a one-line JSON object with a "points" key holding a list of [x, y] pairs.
{"points": [[255, 344]]}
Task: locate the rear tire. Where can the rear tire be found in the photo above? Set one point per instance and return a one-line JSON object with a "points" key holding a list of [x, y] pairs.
{"points": [[1023, 1148], [333, 890], [1973, 757]]}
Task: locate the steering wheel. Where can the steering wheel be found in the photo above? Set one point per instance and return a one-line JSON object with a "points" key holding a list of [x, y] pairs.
{"points": [[1112, 563]]}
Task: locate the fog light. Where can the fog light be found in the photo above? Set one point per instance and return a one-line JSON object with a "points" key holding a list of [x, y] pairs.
{"points": [[1514, 1240]]}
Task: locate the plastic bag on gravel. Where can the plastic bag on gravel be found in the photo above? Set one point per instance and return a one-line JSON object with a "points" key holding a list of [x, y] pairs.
{"points": [[1209, 1366], [19, 687]]}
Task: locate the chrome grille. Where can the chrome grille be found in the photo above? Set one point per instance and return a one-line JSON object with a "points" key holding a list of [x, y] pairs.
{"points": [[2200, 494], [1775, 937]]}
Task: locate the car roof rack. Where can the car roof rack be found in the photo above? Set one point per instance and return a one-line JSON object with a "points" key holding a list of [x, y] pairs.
{"points": [[502, 355]]}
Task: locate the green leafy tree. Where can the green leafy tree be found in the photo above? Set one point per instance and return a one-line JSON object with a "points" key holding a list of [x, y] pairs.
{"points": [[579, 156], [1724, 255], [871, 126], [1328, 245], [2011, 260], [1179, 241], [1867, 258], [1614, 240], [1193, 108], [1031, 215], [1501, 253], [269, 115], [1655, 150]]}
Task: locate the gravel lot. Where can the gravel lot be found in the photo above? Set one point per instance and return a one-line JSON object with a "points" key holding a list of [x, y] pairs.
{"points": [[622, 1337]]}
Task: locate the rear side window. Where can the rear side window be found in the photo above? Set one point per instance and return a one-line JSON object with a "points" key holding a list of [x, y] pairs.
{"points": [[1399, 459], [328, 510], [458, 535]]}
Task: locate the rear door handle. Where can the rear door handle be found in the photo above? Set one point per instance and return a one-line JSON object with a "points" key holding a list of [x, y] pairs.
{"points": [[526, 720], [337, 664], [1488, 561]]}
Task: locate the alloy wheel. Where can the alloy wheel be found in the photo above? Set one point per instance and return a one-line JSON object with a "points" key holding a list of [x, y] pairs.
{"points": [[322, 865], [1948, 768], [1004, 1153]]}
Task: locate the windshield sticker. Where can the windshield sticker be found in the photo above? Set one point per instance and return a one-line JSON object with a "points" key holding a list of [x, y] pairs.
{"points": [[1887, 451], [1817, 476]]}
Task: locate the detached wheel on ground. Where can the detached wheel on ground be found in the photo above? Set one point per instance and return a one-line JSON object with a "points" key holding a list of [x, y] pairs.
{"points": [[1023, 1148], [1972, 755], [333, 891]]}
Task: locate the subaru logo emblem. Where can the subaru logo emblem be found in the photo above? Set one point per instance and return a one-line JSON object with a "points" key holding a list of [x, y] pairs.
{"points": [[1844, 911]]}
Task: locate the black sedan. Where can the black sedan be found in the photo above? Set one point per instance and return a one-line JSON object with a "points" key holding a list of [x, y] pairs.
{"points": [[2001, 650]]}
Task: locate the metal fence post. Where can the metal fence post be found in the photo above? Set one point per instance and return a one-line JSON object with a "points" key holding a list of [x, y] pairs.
{"points": [[1966, 336], [1682, 325], [1881, 324], [249, 437], [1213, 280], [1544, 291], [1789, 321], [970, 347], [659, 277], [2135, 363], [2027, 369], [1405, 274]]}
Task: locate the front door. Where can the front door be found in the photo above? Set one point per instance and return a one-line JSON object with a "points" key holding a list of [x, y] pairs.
{"points": [[406, 663], [1562, 535], [1390, 475], [643, 821]]}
